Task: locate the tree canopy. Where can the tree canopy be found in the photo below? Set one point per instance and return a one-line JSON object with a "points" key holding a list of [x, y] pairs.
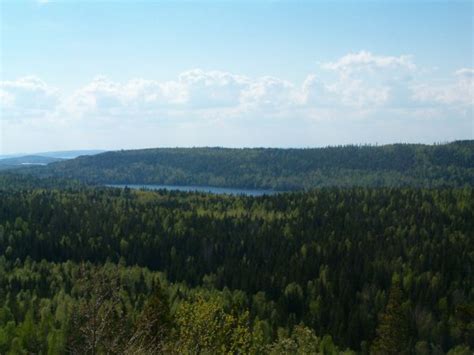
{"points": [[279, 169], [326, 270]]}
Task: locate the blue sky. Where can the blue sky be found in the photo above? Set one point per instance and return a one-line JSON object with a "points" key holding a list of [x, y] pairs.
{"points": [[123, 74]]}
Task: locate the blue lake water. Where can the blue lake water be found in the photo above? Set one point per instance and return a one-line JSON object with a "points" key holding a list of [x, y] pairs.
{"points": [[206, 189]]}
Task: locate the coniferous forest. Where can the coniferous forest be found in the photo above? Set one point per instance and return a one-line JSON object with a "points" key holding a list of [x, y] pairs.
{"points": [[395, 165], [355, 270]]}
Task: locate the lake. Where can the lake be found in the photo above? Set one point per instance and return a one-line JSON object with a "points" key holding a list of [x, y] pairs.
{"points": [[206, 189]]}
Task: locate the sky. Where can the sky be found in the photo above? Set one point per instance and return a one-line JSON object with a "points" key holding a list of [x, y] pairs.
{"points": [[136, 74]]}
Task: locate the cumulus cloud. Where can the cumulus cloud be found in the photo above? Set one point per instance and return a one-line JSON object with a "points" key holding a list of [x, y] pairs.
{"points": [[137, 97], [364, 60], [27, 97], [269, 93], [459, 91], [206, 89], [363, 81], [208, 93], [356, 85]]}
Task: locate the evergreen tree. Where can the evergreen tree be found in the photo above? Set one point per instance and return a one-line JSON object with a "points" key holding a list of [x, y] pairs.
{"points": [[393, 328]]}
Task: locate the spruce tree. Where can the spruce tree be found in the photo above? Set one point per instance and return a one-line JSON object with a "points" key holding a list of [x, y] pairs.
{"points": [[393, 329]]}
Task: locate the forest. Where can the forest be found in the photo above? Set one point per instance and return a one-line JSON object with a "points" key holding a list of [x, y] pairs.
{"points": [[354, 270], [395, 165]]}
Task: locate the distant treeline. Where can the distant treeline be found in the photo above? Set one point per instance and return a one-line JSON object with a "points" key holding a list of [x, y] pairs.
{"points": [[12, 180], [280, 169]]}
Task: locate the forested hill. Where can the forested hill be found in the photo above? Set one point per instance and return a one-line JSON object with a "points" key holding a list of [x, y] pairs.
{"points": [[281, 169]]}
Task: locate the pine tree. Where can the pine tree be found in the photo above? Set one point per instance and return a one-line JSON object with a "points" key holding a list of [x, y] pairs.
{"points": [[393, 328]]}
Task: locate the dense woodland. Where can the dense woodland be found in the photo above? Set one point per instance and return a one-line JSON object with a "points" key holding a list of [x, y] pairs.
{"points": [[395, 165], [356, 270]]}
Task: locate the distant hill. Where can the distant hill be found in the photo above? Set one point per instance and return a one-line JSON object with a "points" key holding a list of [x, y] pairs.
{"points": [[64, 154], [449, 164], [71, 154], [16, 161], [28, 160]]}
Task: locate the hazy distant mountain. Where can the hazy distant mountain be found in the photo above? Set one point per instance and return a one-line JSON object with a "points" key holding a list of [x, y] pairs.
{"points": [[63, 154], [71, 154], [27, 160], [281, 169]]}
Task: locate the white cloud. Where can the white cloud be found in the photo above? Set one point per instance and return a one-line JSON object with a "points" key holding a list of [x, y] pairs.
{"points": [[364, 81], [364, 60], [459, 91], [356, 85], [206, 89], [6, 99], [193, 89], [27, 97], [195, 93], [105, 98], [269, 93], [467, 73]]}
